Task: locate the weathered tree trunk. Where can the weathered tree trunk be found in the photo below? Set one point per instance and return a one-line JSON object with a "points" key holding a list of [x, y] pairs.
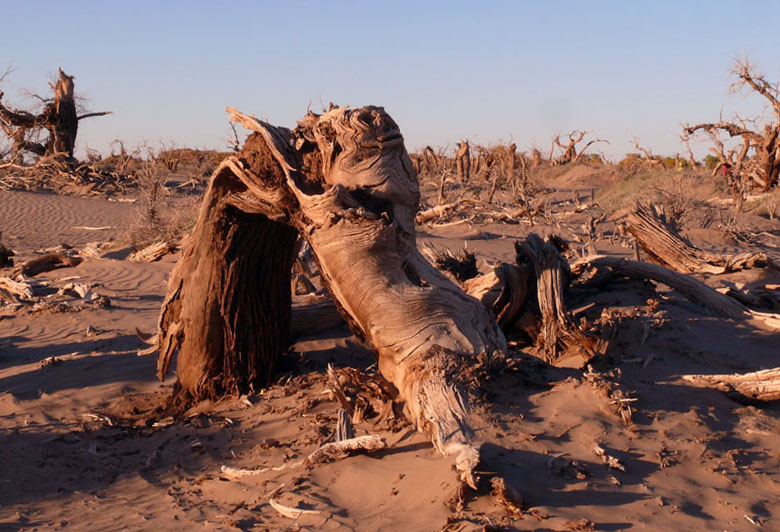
{"points": [[664, 246], [63, 122], [463, 162], [227, 310], [59, 118], [559, 337], [351, 192], [502, 291], [766, 151]]}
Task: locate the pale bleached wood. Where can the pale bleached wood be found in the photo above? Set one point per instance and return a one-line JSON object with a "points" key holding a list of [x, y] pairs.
{"points": [[359, 221], [761, 385], [153, 252], [664, 246], [328, 452]]}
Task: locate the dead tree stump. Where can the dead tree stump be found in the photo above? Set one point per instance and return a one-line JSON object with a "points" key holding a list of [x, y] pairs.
{"points": [[559, 337], [227, 310], [344, 181], [59, 117]]}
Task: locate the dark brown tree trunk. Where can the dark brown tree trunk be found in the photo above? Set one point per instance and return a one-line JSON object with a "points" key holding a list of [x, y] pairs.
{"points": [[227, 311], [63, 122], [59, 118]]}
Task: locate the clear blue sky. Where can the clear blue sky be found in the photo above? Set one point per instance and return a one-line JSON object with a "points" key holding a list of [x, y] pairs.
{"points": [[485, 71]]}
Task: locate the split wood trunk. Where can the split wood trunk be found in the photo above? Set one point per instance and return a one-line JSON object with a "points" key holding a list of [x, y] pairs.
{"points": [[63, 123], [227, 310], [559, 337], [348, 187], [59, 118]]}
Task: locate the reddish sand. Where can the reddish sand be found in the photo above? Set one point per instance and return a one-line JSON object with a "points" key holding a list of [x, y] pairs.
{"points": [[75, 456]]}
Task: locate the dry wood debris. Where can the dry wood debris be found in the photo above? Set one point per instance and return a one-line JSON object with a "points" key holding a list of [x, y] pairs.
{"points": [[759, 386], [153, 252], [326, 453]]}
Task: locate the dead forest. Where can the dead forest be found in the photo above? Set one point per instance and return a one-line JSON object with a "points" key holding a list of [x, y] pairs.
{"points": [[332, 225]]}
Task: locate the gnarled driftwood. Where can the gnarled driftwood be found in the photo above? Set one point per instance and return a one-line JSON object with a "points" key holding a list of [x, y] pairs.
{"points": [[344, 181]]}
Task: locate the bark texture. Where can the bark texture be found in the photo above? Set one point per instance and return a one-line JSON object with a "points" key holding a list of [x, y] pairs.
{"points": [[227, 310], [351, 192], [58, 117], [559, 337], [664, 246]]}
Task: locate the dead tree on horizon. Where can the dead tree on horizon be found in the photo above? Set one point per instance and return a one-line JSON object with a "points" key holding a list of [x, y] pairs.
{"points": [[764, 140], [570, 153], [59, 117]]}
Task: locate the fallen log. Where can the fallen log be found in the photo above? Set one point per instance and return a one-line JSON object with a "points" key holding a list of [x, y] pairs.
{"points": [[693, 289], [667, 248], [313, 317], [436, 211], [758, 386], [46, 263]]}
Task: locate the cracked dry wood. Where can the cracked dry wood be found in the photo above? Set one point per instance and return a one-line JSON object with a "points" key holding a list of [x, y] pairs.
{"points": [[227, 310], [666, 247], [755, 386], [559, 337], [693, 289], [351, 192]]}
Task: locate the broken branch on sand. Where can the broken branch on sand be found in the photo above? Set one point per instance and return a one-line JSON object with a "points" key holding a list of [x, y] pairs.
{"points": [[693, 289], [758, 386], [326, 453], [47, 263]]}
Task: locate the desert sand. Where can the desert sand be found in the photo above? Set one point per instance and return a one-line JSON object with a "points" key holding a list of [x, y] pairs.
{"points": [[81, 451]]}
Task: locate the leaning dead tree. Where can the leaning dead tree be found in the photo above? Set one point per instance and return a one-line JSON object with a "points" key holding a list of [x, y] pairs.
{"points": [[344, 182], [59, 118], [665, 246], [758, 157]]}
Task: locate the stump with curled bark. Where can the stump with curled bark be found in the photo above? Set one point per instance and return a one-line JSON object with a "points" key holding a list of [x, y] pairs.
{"points": [[344, 182], [227, 310]]}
